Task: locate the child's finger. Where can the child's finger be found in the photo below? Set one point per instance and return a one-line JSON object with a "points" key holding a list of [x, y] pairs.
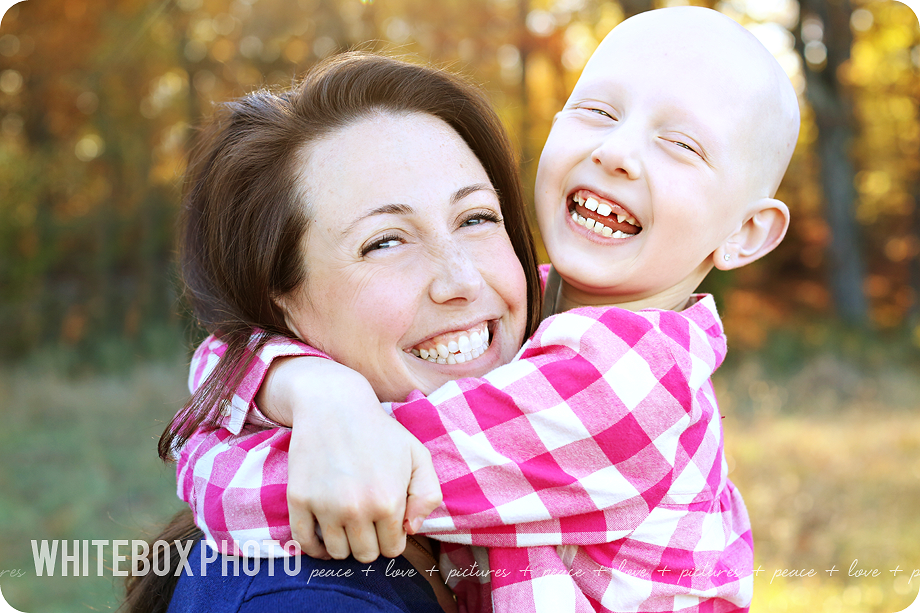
{"points": [[362, 538], [336, 541], [390, 535], [424, 490], [303, 530]]}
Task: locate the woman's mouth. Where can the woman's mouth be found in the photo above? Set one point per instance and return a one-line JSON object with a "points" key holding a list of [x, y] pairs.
{"points": [[455, 347], [603, 217]]}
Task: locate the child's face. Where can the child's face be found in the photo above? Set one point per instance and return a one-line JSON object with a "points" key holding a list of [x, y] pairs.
{"points": [[652, 144]]}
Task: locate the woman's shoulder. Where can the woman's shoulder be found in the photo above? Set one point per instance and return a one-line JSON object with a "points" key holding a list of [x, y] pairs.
{"points": [[301, 584]]}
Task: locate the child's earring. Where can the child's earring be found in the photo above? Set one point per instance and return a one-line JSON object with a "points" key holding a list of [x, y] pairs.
{"points": [[727, 257]]}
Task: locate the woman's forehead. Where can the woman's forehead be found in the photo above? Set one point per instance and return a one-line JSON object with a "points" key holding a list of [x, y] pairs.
{"points": [[388, 159]]}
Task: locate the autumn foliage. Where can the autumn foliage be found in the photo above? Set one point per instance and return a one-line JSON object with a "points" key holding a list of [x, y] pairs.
{"points": [[98, 99]]}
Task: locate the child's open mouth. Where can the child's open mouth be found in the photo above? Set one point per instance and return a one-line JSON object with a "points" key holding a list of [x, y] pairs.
{"points": [[601, 216]]}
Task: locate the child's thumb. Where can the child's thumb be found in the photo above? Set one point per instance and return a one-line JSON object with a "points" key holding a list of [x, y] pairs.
{"points": [[424, 492]]}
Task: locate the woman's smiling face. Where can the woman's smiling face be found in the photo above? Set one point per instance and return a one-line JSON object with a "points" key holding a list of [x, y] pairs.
{"points": [[406, 254]]}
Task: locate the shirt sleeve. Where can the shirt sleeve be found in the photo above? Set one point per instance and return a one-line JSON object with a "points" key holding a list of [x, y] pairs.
{"points": [[236, 487], [593, 424], [242, 409]]}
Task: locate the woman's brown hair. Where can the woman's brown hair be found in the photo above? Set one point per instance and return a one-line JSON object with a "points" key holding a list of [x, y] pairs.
{"points": [[244, 219], [244, 215]]}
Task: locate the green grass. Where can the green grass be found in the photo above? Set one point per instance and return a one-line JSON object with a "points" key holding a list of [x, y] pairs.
{"points": [[78, 461], [826, 455], [828, 460]]}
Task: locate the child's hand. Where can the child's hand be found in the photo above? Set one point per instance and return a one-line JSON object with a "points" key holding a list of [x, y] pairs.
{"points": [[353, 471]]}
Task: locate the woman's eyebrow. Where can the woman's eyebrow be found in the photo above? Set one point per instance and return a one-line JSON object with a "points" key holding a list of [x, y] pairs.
{"points": [[386, 209], [405, 209], [463, 192]]}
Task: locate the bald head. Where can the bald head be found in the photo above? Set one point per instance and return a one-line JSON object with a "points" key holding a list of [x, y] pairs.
{"points": [[699, 50]]}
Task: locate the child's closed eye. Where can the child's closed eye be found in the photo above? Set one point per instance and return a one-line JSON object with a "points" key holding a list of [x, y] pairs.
{"points": [[690, 147], [597, 112], [602, 113]]}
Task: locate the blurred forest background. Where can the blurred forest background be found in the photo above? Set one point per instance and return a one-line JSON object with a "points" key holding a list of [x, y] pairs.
{"points": [[99, 100]]}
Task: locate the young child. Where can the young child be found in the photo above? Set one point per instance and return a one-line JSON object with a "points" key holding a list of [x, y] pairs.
{"points": [[592, 467]]}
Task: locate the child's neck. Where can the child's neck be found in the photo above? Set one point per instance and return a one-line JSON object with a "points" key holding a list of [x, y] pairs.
{"points": [[665, 303], [568, 297]]}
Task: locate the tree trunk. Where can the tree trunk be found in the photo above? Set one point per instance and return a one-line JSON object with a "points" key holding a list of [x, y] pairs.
{"points": [[913, 262], [834, 120], [634, 7]]}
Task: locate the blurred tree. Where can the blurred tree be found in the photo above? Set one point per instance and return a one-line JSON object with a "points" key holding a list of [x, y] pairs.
{"points": [[97, 96], [824, 40], [882, 77], [92, 242]]}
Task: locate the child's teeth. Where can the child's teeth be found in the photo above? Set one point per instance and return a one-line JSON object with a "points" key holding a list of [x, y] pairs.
{"points": [[620, 218], [475, 340], [604, 209], [607, 231], [589, 223], [578, 199], [591, 204], [599, 228]]}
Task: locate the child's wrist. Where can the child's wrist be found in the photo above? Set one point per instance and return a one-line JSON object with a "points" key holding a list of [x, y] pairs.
{"points": [[304, 387], [288, 379]]}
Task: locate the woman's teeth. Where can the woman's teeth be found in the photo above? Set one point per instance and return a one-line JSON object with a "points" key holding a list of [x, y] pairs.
{"points": [[455, 348]]}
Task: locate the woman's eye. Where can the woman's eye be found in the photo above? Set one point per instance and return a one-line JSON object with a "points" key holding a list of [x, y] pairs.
{"points": [[480, 218], [386, 242]]}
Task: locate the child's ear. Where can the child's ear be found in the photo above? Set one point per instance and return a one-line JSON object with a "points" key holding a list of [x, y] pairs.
{"points": [[763, 229]]}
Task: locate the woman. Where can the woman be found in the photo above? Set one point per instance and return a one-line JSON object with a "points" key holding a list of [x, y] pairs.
{"points": [[287, 207]]}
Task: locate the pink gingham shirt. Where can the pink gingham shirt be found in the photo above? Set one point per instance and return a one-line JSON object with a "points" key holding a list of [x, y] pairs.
{"points": [[591, 468]]}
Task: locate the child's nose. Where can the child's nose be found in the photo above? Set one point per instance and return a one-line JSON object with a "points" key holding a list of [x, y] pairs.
{"points": [[619, 153]]}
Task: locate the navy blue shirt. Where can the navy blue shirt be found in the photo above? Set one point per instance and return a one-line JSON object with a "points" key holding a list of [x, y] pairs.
{"points": [[324, 586]]}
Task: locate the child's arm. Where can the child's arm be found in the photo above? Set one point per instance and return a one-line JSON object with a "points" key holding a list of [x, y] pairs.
{"points": [[588, 422], [363, 479]]}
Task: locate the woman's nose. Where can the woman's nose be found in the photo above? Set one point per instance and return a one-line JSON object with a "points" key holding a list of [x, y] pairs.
{"points": [[456, 277], [619, 153]]}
